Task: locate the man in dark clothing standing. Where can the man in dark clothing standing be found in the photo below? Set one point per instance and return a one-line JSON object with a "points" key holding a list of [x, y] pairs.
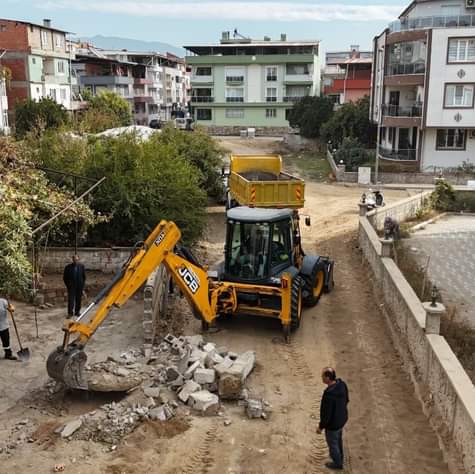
{"points": [[74, 278], [333, 416]]}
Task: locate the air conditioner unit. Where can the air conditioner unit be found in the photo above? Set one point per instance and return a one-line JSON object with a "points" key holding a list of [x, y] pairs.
{"points": [[470, 3]]}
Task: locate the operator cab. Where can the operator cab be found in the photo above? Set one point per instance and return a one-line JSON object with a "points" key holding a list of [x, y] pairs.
{"points": [[260, 243]]}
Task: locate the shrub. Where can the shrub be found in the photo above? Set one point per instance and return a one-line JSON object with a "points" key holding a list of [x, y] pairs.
{"points": [[309, 114], [352, 153], [443, 197]]}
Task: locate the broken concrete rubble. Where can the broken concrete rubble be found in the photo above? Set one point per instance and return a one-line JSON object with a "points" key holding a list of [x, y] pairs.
{"points": [[204, 402], [187, 389], [71, 428], [232, 379], [204, 376]]}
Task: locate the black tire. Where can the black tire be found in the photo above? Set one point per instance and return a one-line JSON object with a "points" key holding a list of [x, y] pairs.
{"points": [[296, 303], [314, 286], [204, 326], [331, 281]]}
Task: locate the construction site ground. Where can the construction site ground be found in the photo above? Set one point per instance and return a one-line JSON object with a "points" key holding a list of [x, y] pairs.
{"points": [[387, 431]]}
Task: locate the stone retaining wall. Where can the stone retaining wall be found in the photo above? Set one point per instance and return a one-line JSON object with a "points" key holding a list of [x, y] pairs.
{"points": [[236, 131], [394, 178], [451, 399], [106, 260]]}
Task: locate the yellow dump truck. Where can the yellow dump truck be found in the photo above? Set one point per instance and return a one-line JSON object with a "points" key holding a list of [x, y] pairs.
{"points": [[259, 181]]}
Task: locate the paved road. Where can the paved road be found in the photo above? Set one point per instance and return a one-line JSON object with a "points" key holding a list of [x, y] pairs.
{"points": [[450, 244]]}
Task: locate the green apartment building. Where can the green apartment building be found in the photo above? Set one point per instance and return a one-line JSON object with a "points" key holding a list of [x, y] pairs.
{"points": [[242, 82]]}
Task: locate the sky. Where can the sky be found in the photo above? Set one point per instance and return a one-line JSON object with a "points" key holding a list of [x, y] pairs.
{"points": [[184, 22]]}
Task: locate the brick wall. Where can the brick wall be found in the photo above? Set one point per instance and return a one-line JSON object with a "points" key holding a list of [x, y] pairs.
{"points": [[14, 35]]}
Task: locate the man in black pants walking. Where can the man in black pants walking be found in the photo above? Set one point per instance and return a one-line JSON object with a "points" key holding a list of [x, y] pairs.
{"points": [[74, 278], [333, 416]]}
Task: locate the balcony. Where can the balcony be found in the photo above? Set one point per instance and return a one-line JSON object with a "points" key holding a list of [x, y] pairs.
{"points": [[234, 79], [420, 23], [398, 111], [271, 99], [298, 78], [202, 79], [142, 81], [293, 98], [234, 99], [405, 69], [202, 99], [106, 80], [409, 154], [143, 99]]}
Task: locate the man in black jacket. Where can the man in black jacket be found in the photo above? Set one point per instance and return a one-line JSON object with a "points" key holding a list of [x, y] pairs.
{"points": [[74, 278], [333, 416]]}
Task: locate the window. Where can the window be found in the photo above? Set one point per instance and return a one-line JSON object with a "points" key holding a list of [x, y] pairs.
{"points": [[234, 74], [203, 71], [52, 94], [203, 114], [271, 113], [271, 73], [234, 113], [5, 118], [461, 50], [60, 67], [458, 95], [33, 60], [63, 94], [234, 94], [287, 113], [58, 41], [451, 139], [44, 38], [38, 91], [3, 28], [271, 94]]}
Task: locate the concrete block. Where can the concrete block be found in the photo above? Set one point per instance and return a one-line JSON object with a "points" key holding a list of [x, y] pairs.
{"points": [[210, 346], [203, 376], [212, 358], [172, 373], [433, 316], [162, 413], [205, 402], [223, 366], [254, 409], [191, 370], [231, 380], [71, 428], [152, 392], [196, 340], [198, 354], [170, 338], [188, 388]]}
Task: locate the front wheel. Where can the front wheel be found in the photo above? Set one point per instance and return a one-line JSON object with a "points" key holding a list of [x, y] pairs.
{"points": [[314, 287]]}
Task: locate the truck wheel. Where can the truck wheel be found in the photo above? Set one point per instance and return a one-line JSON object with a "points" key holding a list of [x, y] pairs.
{"points": [[296, 303], [314, 287]]}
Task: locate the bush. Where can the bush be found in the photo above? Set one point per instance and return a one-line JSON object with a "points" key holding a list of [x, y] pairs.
{"points": [[309, 114], [106, 110], [443, 197], [350, 120], [352, 153], [35, 116]]}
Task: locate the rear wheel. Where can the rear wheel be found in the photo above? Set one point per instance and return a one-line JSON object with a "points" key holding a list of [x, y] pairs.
{"points": [[314, 287]]}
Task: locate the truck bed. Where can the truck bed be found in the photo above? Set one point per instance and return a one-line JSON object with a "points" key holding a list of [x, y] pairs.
{"points": [[258, 181]]}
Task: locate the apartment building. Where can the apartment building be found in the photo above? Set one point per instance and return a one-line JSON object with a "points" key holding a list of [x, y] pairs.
{"points": [[346, 76], [423, 85], [4, 128], [39, 60], [242, 82], [155, 84]]}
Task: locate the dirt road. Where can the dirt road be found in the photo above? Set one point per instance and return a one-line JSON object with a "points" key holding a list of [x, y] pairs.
{"points": [[387, 431]]}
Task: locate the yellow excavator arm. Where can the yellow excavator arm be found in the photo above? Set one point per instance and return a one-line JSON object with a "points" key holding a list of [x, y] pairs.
{"points": [[67, 362]]}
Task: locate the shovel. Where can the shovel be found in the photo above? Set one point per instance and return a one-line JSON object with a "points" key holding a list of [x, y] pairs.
{"points": [[24, 353]]}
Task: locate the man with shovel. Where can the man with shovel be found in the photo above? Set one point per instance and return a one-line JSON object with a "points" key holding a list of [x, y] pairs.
{"points": [[5, 306]]}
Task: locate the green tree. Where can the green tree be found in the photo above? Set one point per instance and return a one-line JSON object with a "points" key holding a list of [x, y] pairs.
{"points": [[443, 197], [350, 120], [33, 115], [105, 110], [352, 153], [27, 199], [309, 114]]}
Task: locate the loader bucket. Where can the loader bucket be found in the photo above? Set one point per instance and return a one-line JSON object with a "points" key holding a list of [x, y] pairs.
{"points": [[68, 367]]}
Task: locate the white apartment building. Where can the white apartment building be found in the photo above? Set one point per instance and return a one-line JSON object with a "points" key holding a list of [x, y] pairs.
{"points": [[423, 85], [4, 128]]}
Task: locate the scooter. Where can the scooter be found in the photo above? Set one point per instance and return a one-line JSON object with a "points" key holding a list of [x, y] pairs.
{"points": [[373, 199]]}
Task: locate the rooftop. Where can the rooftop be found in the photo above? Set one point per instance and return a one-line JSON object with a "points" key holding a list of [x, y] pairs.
{"points": [[39, 25]]}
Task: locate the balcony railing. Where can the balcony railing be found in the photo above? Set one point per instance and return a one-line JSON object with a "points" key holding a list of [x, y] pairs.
{"points": [[271, 78], [293, 98], [234, 99], [403, 69], [432, 22], [398, 111], [234, 78], [271, 99], [202, 98], [408, 154]]}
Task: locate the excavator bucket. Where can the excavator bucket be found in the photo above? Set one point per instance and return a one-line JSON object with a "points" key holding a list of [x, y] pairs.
{"points": [[68, 367]]}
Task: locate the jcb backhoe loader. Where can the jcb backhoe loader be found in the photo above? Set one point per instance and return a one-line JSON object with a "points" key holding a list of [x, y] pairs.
{"points": [[264, 273]]}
